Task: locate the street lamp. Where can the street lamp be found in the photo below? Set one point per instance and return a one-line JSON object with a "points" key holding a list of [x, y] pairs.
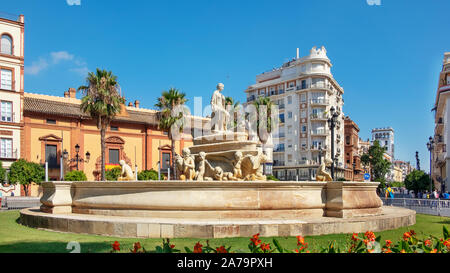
{"points": [[320, 153], [332, 123], [77, 156], [430, 146]]}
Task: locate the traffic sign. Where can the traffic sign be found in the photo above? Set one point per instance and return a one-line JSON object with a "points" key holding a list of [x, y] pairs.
{"points": [[367, 176]]}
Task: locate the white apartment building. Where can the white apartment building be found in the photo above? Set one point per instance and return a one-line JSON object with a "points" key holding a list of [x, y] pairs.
{"points": [[304, 90], [11, 89], [441, 159], [386, 138]]}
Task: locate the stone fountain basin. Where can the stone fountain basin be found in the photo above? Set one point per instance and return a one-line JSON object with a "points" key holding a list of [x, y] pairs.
{"points": [[213, 200]]}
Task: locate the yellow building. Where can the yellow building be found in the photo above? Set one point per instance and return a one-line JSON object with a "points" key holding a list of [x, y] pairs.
{"points": [[55, 126]]}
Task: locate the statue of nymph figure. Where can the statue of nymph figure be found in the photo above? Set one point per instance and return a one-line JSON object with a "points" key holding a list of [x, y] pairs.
{"points": [[219, 111]]}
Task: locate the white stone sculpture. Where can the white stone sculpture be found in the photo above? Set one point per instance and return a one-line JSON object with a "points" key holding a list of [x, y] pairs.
{"points": [[127, 172], [252, 167], [322, 174], [186, 165], [219, 112]]}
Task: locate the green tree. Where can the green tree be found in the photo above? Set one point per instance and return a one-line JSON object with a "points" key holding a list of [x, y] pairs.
{"points": [[113, 174], [417, 181], [24, 172], [379, 166], [75, 176], [263, 116], [233, 108], [148, 175], [2, 173], [102, 101], [171, 116]]}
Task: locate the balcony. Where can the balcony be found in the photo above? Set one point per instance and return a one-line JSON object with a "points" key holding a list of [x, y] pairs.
{"points": [[319, 132], [319, 101], [290, 89], [278, 163], [13, 156], [439, 127], [317, 147], [8, 118], [444, 88], [318, 116], [251, 98], [320, 85], [281, 106]]}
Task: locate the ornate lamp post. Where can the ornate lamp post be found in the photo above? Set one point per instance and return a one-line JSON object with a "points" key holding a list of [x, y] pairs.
{"points": [[332, 124], [430, 146], [77, 157]]}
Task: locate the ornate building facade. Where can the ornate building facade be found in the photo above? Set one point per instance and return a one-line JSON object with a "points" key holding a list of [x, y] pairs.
{"points": [[352, 157], [57, 132], [304, 90]]}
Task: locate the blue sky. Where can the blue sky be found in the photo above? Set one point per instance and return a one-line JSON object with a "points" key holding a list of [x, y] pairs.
{"points": [[387, 57]]}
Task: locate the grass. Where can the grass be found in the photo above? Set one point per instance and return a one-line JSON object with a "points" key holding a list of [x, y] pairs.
{"points": [[15, 238]]}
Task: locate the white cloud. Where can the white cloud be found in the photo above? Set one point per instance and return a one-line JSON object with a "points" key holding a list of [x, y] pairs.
{"points": [[36, 67], [56, 58], [61, 56], [73, 2], [82, 71]]}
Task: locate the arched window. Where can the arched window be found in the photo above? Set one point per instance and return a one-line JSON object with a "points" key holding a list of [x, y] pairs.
{"points": [[6, 44]]}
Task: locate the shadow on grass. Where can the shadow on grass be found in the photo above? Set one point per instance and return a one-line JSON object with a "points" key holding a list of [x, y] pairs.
{"points": [[54, 247]]}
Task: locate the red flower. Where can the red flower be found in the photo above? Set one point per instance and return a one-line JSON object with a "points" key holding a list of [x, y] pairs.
{"points": [[427, 243], [116, 246], [355, 237], [172, 246], [412, 232], [198, 248], [433, 251], [136, 247], [370, 236], [388, 243], [300, 240], [406, 236], [221, 249], [265, 247], [255, 239]]}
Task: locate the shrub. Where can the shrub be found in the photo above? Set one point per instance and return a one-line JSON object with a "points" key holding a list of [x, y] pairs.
{"points": [[272, 178], [75, 176], [25, 172], [2, 173], [113, 174], [148, 175]]}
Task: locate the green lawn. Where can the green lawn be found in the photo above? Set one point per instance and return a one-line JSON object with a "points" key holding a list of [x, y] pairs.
{"points": [[15, 238]]}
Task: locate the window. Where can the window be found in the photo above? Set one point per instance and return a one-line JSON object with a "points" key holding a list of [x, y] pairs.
{"points": [[51, 121], [303, 114], [6, 44], [282, 118], [304, 129], [6, 148], [6, 79], [113, 156], [51, 156], [165, 161], [290, 100], [303, 97], [289, 114], [114, 128], [6, 111]]}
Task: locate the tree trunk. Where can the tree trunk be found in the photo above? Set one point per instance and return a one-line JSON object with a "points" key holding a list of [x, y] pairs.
{"points": [[173, 160], [103, 144], [25, 189]]}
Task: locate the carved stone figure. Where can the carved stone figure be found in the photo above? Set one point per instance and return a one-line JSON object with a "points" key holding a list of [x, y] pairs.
{"points": [[252, 167], [219, 112], [218, 173], [322, 174], [127, 173], [237, 172], [188, 164], [201, 167]]}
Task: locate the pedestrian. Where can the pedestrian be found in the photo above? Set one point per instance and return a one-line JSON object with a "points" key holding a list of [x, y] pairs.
{"points": [[446, 195]]}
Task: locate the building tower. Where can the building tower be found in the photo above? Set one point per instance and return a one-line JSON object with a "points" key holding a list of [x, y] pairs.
{"points": [[304, 90], [441, 159], [386, 138], [11, 88]]}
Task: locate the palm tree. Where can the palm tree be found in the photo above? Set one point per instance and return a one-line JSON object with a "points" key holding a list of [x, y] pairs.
{"points": [[102, 101], [233, 107], [169, 116], [268, 104]]}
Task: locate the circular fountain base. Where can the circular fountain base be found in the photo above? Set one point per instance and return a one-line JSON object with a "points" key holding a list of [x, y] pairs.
{"points": [[166, 227], [213, 209]]}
